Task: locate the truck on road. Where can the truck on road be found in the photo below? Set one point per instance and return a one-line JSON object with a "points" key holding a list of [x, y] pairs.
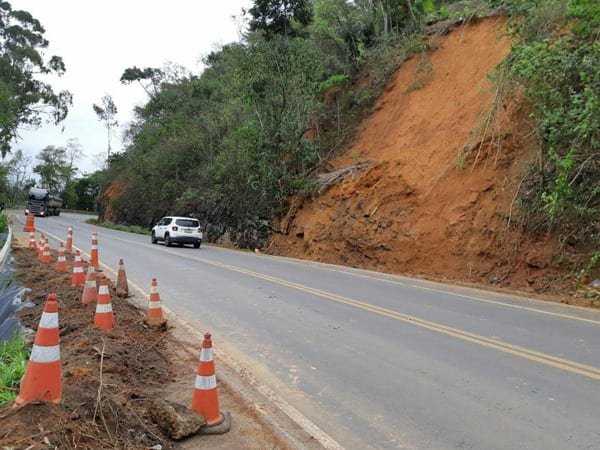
{"points": [[43, 202]]}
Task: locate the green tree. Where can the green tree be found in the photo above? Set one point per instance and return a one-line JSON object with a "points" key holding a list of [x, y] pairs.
{"points": [[107, 114], [53, 167], [148, 78], [24, 98], [280, 17], [86, 191], [560, 75], [18, 183], [231, 144]]}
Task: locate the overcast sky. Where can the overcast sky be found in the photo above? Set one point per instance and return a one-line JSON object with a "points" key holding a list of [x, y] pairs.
{"points": [[99, 39]]}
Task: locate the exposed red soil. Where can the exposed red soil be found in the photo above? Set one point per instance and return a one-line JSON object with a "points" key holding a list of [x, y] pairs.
{"points": [[446, 157], [113, 191], [139, 364]]}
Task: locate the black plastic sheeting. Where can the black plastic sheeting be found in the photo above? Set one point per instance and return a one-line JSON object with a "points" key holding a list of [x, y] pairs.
{"points": [[11, 300]]}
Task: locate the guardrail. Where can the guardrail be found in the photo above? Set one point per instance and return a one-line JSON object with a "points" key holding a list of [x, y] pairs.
{"points": [[10, 293], [5, 249]]}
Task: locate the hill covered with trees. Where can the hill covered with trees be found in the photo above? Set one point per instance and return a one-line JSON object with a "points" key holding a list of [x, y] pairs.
{"points": [[234, 144]]}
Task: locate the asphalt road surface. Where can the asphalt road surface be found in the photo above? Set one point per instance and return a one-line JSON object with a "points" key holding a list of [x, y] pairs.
{"points": [[379, 361]]}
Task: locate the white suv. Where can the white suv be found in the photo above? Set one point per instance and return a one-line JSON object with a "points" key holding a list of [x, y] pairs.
{"points": [[177, 230]]}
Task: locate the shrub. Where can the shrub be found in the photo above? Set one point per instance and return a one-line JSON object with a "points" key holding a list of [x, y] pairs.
{"points": [[13, 360], [3, 223]]}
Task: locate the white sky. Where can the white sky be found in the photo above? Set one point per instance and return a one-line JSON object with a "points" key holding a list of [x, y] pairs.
{"points": [[99, 39]]}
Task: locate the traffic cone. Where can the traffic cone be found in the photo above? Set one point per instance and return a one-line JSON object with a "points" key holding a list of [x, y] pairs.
{"points": [[40, 248], [78, 278], [32, 242], [41, 381], [205, 400], [61, 262], [94, 253], [29, 224], [104, 317], [46, 255], [122, 289], [90, 291], [155, 314], [69, 246]]}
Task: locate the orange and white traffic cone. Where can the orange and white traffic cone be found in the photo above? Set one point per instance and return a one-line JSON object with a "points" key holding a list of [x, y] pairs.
{"points": [[61, 262], [78, 278], [69, 246], [32, 242], [29, 224], [205, 400], [42, 381], [104, 317], [40, 248], [94, 253], [46, 255], [122, 288], [155, 314], [90, 291]]}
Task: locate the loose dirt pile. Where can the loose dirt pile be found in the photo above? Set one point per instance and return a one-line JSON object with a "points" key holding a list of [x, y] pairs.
{"points": [[110, 379], [445, 156]]}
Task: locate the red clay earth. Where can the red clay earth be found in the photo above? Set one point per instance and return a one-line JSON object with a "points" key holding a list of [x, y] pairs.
{"points": [[139, 364], [446, 154]]}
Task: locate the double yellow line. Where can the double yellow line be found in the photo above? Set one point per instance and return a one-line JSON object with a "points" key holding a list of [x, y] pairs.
{"points": [[531, 355], [521, 352]]}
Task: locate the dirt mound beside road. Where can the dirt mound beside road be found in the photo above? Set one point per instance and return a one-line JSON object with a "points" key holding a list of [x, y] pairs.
{"points": [[437, 198], [139, 365]]}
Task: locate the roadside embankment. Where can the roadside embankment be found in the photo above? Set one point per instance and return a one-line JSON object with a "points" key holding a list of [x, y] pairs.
{"points": [[112, 378]]}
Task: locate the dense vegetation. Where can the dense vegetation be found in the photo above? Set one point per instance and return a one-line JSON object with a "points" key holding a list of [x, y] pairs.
{"points": [[230, 145], [24, 99], [14, 355], [557, 61]]}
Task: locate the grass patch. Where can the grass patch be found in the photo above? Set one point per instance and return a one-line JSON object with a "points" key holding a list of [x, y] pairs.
{"points": [[3, 223], [120, 227], [13, 360]]}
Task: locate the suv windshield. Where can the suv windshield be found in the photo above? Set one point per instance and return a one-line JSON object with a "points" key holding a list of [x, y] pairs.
{"points": [[187, 223]]}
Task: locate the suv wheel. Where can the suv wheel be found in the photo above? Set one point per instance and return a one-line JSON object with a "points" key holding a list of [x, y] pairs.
{"points": [[167, 240], [197, 244], [153, 238]]}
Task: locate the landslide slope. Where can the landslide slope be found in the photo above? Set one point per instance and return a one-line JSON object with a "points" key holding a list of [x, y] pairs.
{"points": [[437, 196]]}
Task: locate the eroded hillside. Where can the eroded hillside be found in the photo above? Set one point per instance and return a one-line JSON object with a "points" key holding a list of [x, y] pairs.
{"points": [[444, 156]]}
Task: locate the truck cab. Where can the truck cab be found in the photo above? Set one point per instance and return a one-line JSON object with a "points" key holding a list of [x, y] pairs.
{"points": [[43, 202]]}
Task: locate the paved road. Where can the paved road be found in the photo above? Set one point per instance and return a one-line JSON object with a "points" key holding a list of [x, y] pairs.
{"points": [[379, 361]]}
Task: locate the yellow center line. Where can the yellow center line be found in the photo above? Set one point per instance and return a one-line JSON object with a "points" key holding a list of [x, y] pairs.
{"points": [[522, 352], [581, 369], [411, 283]]}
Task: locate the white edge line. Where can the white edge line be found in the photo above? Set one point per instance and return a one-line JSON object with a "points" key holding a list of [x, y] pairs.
{"points": [[296, 416]]}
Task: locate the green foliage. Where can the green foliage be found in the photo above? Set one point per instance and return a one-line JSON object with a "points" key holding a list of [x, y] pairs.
{"points": [[592, 264], [3, 223], [120, 227], [230, 145], [13, 361], [556, 200], [53, 167], [280, 17], [560, 71], [24, 98], [334, 82], [84, 192]]}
